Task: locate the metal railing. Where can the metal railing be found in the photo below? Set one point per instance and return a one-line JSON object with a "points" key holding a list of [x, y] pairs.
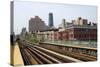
{"points": [[91, 44]]}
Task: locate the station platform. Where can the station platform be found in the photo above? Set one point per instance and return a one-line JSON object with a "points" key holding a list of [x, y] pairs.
{"points": [[16, 58]]}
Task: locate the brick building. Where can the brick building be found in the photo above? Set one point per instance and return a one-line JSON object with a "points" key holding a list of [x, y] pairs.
{"points": [[79, 29], [77, 32], [37, 24]]}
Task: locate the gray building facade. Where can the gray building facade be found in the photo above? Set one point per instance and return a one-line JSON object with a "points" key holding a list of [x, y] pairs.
{"points": [[36, 24], [50, 20]]}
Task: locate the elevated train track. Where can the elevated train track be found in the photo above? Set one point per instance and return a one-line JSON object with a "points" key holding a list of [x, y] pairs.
{"points": [[80, 53], [37, 54]]}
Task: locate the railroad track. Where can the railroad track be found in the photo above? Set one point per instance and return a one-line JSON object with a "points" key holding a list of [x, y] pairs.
{"points": [[33, 54], [79, 56]]}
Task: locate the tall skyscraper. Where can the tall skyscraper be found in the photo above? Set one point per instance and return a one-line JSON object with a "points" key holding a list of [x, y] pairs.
{"points": [[50, 20]]}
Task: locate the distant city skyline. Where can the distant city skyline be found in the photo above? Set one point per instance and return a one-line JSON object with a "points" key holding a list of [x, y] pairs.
{"points": [[23, 11]]}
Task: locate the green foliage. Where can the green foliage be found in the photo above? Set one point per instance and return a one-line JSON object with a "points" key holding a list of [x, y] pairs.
{"points": [[31, 38]]}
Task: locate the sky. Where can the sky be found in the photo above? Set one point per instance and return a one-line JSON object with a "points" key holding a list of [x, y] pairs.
{"points": [[24, 10]]}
